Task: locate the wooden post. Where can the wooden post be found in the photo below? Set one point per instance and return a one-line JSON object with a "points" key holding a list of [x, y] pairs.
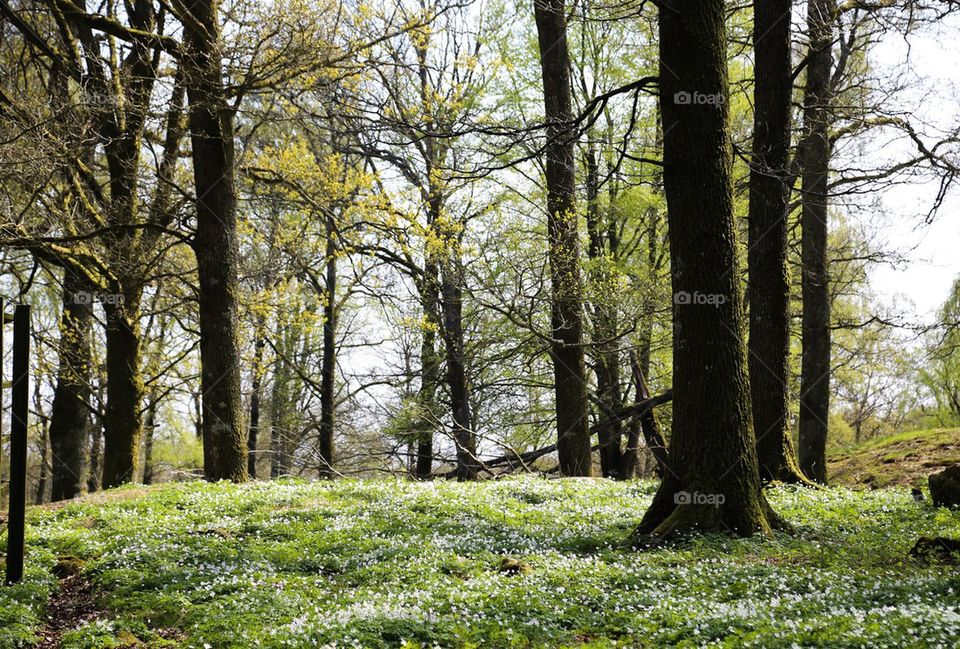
{"points": [[18, 443]]}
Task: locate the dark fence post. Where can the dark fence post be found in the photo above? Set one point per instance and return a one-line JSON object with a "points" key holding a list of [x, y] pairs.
{"points": [[18, 442]]}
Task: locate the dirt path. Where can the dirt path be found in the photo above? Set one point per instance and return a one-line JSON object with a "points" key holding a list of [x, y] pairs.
{"points": [[75, 602], [75, 605], [69, 608]]}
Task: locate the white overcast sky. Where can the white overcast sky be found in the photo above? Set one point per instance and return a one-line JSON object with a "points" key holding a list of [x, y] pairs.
{"points": [[932, 251]]}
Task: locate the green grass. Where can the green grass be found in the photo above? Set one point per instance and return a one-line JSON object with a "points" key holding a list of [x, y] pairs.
{"points": [[903, 459], [399, 564]]}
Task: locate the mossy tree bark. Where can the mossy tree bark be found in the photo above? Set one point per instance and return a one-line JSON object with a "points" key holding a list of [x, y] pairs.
{"points": [[123, 421], [769, 289], [815, 151], [71, 399], [215, 244], [119, 127], [712, 482], [570, 384]]}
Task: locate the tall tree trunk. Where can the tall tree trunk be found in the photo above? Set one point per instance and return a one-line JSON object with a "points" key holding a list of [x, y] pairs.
{"points": [[4, 479], [256, 389], [215, 245], [815, 154], [123, 422], [70, 412], [95, 467], [429, 367], [606, 357], [155, 394], [769, 288], [122, 134], [573, 429], [647, 425], [198, 416], [328, 367], [452, 306], [275, 442], [42, 477], [150, 429], [283, 403], [44, 447], [654, 261], [713, 483]]}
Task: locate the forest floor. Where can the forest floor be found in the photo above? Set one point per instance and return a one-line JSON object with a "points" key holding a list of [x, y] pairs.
{"points": [[524, 562], [905, 459]]}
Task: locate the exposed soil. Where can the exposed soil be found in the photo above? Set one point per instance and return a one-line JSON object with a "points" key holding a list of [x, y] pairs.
{"points": [[901, 460], [101, 497], [69, 608]]}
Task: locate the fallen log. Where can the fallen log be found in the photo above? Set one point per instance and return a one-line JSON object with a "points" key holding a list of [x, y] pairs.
{"points": [[514, 459], [637, 409]]}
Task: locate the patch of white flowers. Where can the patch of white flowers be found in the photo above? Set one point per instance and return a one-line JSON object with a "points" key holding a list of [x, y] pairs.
{"points": [[392, 563]]}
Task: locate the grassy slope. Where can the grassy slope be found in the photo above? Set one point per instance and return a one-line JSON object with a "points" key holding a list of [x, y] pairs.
{"points": [[905, 459], [348, 563]]}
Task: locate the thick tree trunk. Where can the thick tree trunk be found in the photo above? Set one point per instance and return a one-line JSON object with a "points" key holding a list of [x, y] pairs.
{"points": [[215, 245], [118, 127], [122, 423], [713, 483], [769, 292], [815, 154], [429, 368], [328, 367], [452, 306], [573, 428], [71, 399]]}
